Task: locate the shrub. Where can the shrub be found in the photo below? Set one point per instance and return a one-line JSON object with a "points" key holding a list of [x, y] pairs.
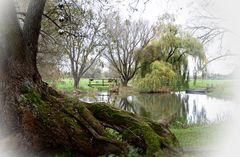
{"points": [[161, 78]]}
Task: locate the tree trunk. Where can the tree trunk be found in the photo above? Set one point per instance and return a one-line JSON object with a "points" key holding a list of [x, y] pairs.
{"points": [[76, 81], [124, 82], [39, 120]]}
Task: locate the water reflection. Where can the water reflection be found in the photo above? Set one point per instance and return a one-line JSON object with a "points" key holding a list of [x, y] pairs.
{"points": [[159, 106], [127, 105], [186, 108]]}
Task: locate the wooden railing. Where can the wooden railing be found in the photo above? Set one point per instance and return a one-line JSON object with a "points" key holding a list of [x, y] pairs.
{"points": [[102, 82]]}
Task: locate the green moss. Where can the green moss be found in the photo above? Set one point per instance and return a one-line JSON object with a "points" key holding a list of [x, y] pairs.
{"points": [[71, 121], [80, 109], [113, 134], [102, 109], [64, 154], [24, 89], [39, 107], [136, 127], [34, 97], [132, 152], [152, 140]]}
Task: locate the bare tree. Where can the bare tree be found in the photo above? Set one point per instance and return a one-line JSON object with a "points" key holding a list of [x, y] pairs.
{"points": [[207, 28], [124, 40], [85, 49]]}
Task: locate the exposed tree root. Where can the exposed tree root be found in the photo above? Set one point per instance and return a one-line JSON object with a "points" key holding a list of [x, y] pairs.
{"points": [[57, 122]]}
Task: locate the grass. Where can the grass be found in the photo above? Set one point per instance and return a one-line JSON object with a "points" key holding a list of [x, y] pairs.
{"points": [[220, 88], [196, 135], [66, 85], [206, 83], [199, 141]]}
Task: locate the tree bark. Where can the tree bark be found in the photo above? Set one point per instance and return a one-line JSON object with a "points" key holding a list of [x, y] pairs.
{"points": [[76, 82], [124, 82]]}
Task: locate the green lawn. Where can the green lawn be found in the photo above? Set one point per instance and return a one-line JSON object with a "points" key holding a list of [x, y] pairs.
{"points": [[66, 85], [206, 83], [221, 88], [198, 141], [196, 136]]}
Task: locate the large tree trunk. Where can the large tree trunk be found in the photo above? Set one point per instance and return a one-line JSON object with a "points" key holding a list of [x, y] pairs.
{"points": [[40, 120]]}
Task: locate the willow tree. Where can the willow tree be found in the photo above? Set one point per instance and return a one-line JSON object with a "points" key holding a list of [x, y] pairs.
{"points": [[172, 45], [39, 119]]}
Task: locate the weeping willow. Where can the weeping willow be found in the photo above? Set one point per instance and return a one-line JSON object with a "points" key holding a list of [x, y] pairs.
{"points": [[174, 46]]}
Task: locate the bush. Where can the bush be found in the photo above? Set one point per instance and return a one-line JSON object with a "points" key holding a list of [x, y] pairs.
{"points": [[161, 78]]}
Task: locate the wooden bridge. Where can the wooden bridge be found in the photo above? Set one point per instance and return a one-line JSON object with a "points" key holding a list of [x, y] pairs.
{"points": [[103, 82], [111, 84]]}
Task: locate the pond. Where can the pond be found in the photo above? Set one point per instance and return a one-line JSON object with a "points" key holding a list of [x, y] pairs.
{"points": [[179, 106]]}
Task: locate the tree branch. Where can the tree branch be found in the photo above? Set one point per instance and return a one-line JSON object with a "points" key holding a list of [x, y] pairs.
{"points": [[216, 58]]}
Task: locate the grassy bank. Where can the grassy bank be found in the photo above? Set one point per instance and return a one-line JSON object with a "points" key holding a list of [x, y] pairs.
{"points": [[206, 83], [199, 141], [219, 88], [196, 136], [66, 85]]}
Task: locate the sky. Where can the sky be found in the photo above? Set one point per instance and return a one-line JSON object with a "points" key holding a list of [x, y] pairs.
{"points": [[186, 12]]}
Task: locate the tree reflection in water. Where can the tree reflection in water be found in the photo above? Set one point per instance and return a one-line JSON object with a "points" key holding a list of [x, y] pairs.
{"points": [[198, 117], [127, 105], [180, 107], [164, 107], [159, 106]]}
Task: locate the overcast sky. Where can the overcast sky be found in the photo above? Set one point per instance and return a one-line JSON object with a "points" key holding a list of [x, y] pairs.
{"points": [[186, 12]]}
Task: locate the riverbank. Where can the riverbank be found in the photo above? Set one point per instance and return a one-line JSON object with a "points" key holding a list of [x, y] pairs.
{"points": [[198, 140], [196, 136], [67, 84], [206, 83], [221, 89]]}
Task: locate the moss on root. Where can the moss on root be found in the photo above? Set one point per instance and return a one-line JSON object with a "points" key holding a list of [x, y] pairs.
{"points": [[151, 139], [39, 107], [89, 122], [152, 136]]}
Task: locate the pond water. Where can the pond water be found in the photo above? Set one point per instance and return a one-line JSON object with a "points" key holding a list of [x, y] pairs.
{"points": [[180, 106]]}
